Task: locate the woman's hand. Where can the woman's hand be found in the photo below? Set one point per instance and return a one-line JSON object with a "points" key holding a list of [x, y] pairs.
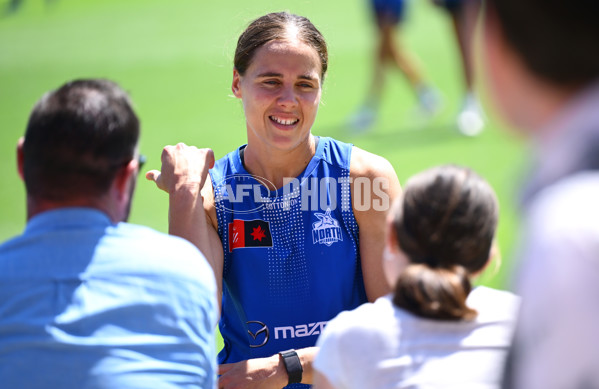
{"points": [[182, 166]]}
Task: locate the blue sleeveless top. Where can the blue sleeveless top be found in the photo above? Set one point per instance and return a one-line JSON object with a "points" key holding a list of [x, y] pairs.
{"points": [[291, 258]]}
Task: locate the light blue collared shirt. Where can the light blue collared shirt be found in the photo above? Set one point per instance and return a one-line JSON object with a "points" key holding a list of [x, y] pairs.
{"points": [[85, 303]]}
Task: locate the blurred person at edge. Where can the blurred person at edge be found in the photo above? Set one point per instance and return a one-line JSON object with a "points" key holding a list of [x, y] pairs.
{"points": [[86, 299], [541, 62], [283, 269], [390, 54], [434, 330], [470, 120]]}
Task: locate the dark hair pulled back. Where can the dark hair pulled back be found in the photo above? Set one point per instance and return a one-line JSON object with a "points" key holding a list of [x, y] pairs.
{"points": [[276, 26], [445, 225]]}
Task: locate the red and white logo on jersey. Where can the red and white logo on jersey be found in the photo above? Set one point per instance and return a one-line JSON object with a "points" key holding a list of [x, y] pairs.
{"points": [[249, 233]]}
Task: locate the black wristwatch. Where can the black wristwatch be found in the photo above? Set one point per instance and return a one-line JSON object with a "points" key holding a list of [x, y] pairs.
{"points": [[293, 365]]}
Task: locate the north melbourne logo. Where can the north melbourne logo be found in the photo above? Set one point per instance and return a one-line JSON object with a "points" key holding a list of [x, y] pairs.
{"points": [[326, 230]]}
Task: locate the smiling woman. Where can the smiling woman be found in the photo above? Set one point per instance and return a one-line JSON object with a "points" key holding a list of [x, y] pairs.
{"points": [[277, 219], [280, 91]]}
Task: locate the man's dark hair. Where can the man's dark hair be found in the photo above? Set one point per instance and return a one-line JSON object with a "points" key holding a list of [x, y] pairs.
{"points": [[557, 40], [77, 138]]}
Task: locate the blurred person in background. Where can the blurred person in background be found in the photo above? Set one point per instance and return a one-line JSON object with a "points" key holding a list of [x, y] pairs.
{"points": [[470, 120], [391, 54], [435, 330], [541, 61], [86, 299]]}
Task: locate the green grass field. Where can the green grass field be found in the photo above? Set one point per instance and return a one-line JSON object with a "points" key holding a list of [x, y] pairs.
{"points": [[175, 59]]}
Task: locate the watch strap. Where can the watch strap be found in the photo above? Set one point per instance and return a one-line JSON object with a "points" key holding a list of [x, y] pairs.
{"points": [[293, 365]]}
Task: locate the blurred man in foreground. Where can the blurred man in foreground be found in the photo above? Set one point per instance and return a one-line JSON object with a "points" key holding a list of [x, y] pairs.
{"points": [[542, 64], [87, 300]]}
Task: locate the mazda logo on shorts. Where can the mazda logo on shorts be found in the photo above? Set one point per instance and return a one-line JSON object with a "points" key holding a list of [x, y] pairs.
{"points": [[258, 332]]}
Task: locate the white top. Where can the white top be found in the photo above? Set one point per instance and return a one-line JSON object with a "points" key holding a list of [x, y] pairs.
{"points": [[558, 338], [382, 346]]}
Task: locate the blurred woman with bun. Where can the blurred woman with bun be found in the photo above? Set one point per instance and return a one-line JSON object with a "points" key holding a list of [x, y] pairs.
{"points": [[434, 329]]}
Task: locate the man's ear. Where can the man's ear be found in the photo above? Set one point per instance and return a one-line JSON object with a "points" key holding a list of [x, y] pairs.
{"points": [[123, 178], [235, 85], [20, 157]]}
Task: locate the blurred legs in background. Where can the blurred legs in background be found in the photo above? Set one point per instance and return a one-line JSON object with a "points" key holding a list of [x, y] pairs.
{"points": [[470, 119], [390, 53]]}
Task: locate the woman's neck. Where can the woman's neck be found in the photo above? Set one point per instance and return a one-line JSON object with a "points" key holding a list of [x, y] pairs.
{"points": [[277, 166]]}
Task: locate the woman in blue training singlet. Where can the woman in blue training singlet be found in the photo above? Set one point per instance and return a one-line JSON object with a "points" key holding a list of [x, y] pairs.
{"points": [[292, 223]]}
